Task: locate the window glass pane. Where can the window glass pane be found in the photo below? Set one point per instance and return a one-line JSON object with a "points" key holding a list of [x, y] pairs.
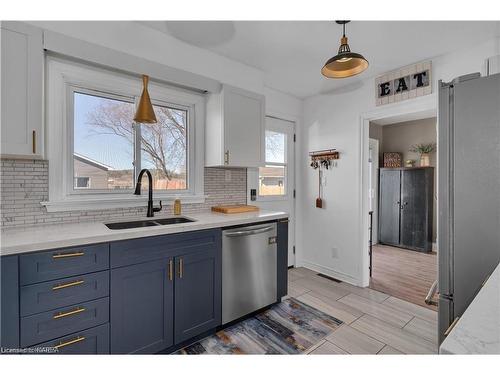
{"points": [[164, 149], [272, 180], [275, 147], [103, 143]]}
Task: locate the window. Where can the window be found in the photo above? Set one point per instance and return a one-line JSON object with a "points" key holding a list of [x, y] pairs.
{"points": [[105, 138], [272, 177], [82, 182], [103, 141], [97, 164]]}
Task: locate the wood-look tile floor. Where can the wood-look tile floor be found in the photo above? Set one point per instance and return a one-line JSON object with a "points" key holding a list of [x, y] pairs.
{"points": [[374, 322], [402, 273]]}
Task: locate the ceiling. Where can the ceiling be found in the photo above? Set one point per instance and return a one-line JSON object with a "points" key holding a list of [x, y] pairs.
{"points": [[291, 53]]}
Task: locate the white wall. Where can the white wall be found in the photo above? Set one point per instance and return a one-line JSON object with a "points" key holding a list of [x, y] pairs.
{"points": [[137, 39], [333, 121]]}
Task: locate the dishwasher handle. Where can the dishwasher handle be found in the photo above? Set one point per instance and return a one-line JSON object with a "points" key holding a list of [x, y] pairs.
{"points": [[242, 233]]}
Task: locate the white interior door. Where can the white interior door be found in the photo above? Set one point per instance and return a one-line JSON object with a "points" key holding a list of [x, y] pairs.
{"points": [[373, 161], [274, 184]]}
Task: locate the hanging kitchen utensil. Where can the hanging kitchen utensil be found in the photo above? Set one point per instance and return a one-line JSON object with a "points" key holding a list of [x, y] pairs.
{"points": [[319, 201]]}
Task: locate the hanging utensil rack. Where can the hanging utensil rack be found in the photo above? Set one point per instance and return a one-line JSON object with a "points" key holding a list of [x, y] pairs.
{"points": [[322, 159]]}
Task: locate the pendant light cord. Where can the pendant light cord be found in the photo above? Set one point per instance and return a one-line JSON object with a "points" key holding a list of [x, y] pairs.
{"points": [[343, 30]]}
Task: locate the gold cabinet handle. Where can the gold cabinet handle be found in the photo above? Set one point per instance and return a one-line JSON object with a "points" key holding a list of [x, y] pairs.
{"points": [[452, 325], [181, 268], [170, 270], [70, 342], [68, 255], [67, 285], [68, 313], [34, 141]]}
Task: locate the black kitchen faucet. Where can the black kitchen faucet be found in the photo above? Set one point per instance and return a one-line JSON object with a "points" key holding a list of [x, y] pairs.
{"points": [[151, 209]]}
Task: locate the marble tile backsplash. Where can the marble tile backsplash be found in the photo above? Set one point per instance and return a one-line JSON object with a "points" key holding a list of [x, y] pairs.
{"points": [[24, 184]]}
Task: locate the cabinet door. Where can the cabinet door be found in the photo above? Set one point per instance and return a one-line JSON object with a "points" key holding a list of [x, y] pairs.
{"points": [[198, 301], [243, 128], [142, 307], [389, 206], [21, 77], [416, 209]]}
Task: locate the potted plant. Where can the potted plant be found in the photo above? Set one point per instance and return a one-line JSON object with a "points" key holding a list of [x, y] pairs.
{"points": [[423, 149]]}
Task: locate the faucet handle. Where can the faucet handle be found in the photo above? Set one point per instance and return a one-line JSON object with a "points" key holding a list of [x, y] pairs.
{"points": [[157, 209]]}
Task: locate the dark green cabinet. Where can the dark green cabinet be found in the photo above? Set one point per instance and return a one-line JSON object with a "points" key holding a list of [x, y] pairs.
{"points": [[142, 307]]}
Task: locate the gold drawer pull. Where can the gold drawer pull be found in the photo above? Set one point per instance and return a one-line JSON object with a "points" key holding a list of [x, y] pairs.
{"points": [[70, 342], [170, 269], [67, 285], [181, 268], [68, 255], [69, 313]]}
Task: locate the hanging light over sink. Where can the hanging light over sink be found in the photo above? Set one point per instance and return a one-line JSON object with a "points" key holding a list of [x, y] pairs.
{"points": [[145, 113], [345, 63]]}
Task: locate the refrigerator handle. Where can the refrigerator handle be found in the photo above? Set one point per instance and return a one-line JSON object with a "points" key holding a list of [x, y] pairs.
{"points": [[430, 295]]}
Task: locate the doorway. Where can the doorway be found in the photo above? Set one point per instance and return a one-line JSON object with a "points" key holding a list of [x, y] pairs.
{"points": [[272, 187], [403, 198]]}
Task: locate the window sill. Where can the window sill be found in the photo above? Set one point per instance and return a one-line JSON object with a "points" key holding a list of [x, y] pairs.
{"points": [[102, 203]]}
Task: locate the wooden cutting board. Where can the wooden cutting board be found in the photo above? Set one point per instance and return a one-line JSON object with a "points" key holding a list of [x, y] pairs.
{"points": [[236, 209]]}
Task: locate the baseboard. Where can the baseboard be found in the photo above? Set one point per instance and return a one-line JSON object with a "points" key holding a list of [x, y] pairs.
{"points": [[330, 272]]}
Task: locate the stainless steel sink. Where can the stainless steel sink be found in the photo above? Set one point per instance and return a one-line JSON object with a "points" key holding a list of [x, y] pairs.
{"points": [[148, 223]]}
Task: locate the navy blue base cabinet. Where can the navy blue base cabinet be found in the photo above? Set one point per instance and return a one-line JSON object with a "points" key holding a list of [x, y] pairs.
{"points": [[282, 258], [198, 288], [142, 307], [166, 300], [144, 295]]}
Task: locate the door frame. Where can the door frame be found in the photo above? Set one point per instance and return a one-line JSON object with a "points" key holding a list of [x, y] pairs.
{"points": [[292, 225], [375, 186], [425, 106]]}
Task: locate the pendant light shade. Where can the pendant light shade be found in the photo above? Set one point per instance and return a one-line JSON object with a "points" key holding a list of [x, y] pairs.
{"points": [[145, 113], [345, 63]]}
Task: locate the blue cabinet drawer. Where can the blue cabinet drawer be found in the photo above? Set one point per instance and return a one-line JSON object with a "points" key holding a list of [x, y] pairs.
{"points": [[64, 321], [54, 294], [125, 253], [56, 264], [91, 341]]}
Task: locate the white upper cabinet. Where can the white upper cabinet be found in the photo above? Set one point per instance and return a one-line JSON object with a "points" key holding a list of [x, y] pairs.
{"points": [[235, 128], [22, 90]]}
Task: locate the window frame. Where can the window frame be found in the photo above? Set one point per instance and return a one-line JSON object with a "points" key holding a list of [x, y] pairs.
{"points": [[64, 78]]}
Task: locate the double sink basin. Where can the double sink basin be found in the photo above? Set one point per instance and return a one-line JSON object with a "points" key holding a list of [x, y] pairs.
{"points": [[148, 223]]}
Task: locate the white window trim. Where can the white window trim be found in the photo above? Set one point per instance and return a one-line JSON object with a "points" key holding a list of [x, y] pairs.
{"points": [[61, 77]]}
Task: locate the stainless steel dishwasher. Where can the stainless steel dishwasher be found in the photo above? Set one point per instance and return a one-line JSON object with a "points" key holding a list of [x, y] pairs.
{"points": [[249, 269]]}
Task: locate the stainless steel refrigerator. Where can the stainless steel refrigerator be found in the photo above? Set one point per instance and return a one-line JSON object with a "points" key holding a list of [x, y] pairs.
{"points": [[469, 191]]}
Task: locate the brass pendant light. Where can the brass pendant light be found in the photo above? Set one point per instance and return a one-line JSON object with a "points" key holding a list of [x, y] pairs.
{"points": [[145, 113], [345, 63]]}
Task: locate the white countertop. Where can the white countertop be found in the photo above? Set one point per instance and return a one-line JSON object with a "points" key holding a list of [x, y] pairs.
{"points": [[27, 239], [478, 330]]}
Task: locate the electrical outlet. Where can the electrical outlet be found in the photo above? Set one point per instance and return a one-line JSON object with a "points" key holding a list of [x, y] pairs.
{"points": [[335, 252], [227, 176]]}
